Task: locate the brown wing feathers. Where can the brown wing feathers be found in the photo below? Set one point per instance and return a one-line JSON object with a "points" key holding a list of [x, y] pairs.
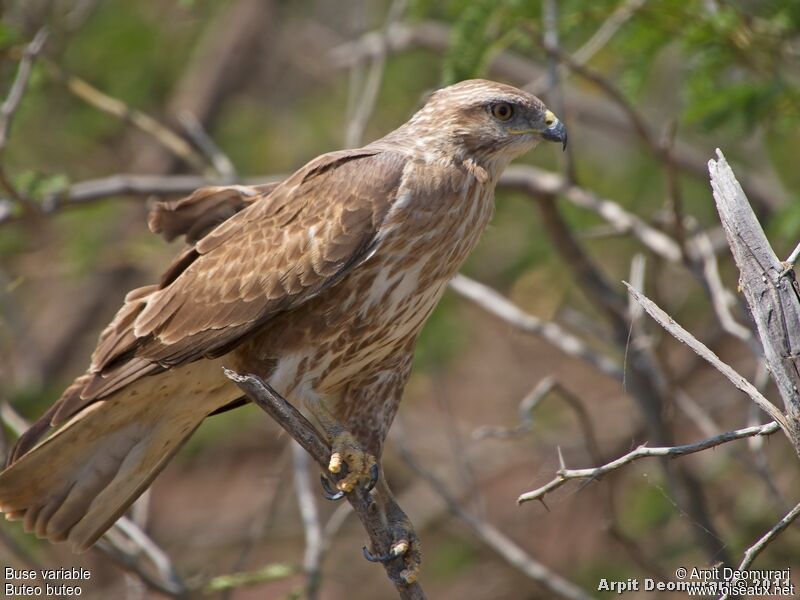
{"points": [[271, 249]]}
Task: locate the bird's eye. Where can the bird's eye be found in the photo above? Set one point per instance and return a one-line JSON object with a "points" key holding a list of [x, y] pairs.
{"points": [[502, 111]]}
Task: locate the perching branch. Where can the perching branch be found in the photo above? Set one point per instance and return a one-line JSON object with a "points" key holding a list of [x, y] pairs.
{"points": [[565, 475], [304, 433]]}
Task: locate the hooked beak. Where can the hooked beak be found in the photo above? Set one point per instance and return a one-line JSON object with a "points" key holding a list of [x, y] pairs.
{"points": [[556, 133]]}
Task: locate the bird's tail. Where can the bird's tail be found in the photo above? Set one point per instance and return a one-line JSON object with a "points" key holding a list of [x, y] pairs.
{"points": [[81, 479]]}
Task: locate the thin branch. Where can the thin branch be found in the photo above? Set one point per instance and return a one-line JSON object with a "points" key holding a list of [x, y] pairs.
{"points": [[232, 581], [550, 23], [304, 433], [565, 475], [793, 256], [309, 513], [119, 109], [753, 551], [638, 122], [95, 190], [152, 551], [529, 404], [594, 44], [364, 108], [218, 159], [130, 563], [497, 540], [493, 302], [12, 101], [721, 297], [701, 349], [538, 182]]}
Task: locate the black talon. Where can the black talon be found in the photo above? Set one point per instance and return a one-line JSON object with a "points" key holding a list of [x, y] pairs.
{"points": [[374, 472], [327, 491], [381, 559]]}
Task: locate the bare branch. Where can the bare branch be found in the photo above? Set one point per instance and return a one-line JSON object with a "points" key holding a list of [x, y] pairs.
{"points": [[565, 475], [218, 159], [309, 513], [701, 349], [493, 302], [771, 290], [364, 108], [119, 109], [529, 404], [498, 541], [597, 42], [538, 182], [9, 107], [555, 91], [753, 551], [721, 297], [232, 581], [304, 433]]}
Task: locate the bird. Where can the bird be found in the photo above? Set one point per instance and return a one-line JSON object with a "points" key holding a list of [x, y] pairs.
{"points": [[318, 284]]}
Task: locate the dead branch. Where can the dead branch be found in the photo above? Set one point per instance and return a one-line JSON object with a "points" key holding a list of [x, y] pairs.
{"points": [[497, 540], [199, 136], [770, 288], [11, 104], [117, 108], [753, 551], [701, 349], [493, 302], [565, 475], [364, 107], [304, 433], [594, 44], [537, 182], [309, 513], [529, 404]]}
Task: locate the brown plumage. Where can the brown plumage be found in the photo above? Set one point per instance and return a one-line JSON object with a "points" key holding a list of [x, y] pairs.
{"points": [[319, 284]]}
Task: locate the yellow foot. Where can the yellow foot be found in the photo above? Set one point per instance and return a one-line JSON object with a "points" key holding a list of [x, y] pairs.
{"points": [[405, 545], [349, 460]]}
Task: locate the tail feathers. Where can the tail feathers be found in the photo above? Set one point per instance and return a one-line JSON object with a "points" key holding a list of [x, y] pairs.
{"points": [[76, 483]]}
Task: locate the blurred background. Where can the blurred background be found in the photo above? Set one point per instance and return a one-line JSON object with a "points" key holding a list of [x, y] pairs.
{"points": [[187, 91]]}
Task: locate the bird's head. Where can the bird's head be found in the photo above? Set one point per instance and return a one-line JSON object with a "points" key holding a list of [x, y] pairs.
{"points": [[488, 121]]}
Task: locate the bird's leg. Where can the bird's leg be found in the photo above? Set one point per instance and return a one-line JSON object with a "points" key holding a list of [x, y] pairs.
{"points": [[350, 464], [405, 543]]}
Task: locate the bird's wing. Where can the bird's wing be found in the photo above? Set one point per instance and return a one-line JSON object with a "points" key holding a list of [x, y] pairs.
{"points": [[197, 214], [274, 255]]}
